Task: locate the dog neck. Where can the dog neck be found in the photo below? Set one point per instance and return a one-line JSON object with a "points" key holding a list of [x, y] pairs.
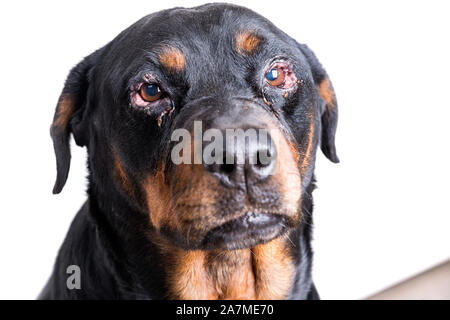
{"points": [[265, 271]]}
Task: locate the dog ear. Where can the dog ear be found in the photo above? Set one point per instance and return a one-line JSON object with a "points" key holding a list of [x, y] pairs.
{"points": [[70, 117], [329, 111]]}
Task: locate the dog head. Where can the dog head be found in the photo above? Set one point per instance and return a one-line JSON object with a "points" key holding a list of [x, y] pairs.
{"points": [[155, 108]]}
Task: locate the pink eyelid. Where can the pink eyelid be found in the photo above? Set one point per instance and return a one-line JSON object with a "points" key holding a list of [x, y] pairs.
{"points": [[137, 99]]}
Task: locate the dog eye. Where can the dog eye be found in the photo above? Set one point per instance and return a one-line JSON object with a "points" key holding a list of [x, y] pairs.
{"points": [[275, 77], [150, 92]]}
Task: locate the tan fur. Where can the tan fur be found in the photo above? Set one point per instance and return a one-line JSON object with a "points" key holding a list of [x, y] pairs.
{"points": [[121, 176], [263, 272], [327, 93], [65, 110], [172, 59], [247, 42], [294, 151], [287, 174], [186, 275], [159, 200], [232, 274], [274, 270], [307, 156]]}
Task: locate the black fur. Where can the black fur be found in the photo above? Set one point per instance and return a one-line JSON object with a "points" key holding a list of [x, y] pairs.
{"points": [[108, 237]]}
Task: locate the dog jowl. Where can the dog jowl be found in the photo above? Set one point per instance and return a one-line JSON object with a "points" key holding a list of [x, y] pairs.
{"points": [[155, 227]]}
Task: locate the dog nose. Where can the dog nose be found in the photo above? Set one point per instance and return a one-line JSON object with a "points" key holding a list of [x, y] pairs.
{"points": [[243, 161]]}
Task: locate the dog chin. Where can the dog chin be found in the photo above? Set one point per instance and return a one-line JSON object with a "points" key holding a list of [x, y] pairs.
{"points": [[247, 231]]}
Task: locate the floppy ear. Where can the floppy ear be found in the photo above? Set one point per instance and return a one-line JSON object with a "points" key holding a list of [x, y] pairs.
{"points": [[70, 117], [329, 107]]}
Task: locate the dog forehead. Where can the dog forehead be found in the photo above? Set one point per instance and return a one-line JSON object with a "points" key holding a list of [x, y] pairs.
{"points": [[202, 18], [211, 24]]}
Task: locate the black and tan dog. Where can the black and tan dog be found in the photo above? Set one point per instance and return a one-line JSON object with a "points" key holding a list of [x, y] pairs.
{"points": [[152, 229]]}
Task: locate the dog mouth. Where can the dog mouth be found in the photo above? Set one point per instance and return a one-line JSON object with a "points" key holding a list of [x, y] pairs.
{"points": [[249, 230]]}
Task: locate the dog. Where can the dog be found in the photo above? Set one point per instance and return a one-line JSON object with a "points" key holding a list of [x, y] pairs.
{"points": [[155, 229]]}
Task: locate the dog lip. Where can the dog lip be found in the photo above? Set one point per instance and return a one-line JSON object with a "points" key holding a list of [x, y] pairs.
{"points": [[251, 229]]}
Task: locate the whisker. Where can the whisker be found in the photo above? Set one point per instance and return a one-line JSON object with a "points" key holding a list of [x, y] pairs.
{"points": [[287, 236]]}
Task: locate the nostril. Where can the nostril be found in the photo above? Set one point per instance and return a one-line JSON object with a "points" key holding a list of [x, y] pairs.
{"points": [[227, 168], [226, 171], [263, 158], [239, 160], [263, 163]]}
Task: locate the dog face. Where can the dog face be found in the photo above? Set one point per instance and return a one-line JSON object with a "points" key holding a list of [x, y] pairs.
{"points": [[221, 67]]}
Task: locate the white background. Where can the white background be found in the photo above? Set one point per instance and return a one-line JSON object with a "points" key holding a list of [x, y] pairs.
{"points": [[381, 215]]}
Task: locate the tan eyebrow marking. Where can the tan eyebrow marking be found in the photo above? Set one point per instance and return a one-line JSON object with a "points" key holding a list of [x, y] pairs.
{"points": [[173, 59], [247, 42]]}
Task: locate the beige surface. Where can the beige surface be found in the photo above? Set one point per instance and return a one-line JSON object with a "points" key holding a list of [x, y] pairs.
{"points": [[431, 284]]}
